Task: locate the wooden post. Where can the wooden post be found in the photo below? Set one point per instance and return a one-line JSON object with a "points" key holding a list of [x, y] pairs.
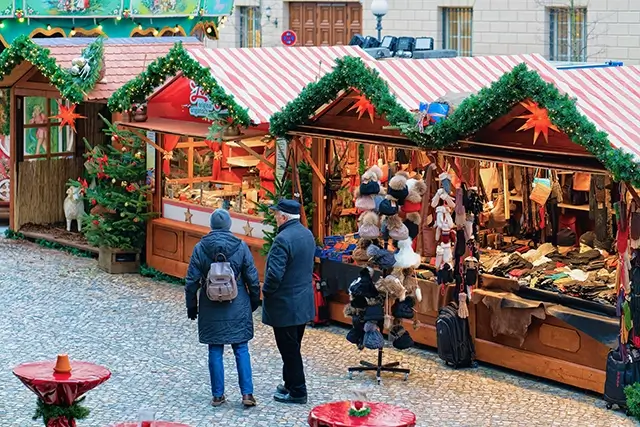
{"points": [[13, 158], [318, 190], [505, 189]]}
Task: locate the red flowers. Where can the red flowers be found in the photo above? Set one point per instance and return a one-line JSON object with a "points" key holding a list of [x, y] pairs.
{"points": [[95, 222], [131, 188], [94, 202], [102, 175]]}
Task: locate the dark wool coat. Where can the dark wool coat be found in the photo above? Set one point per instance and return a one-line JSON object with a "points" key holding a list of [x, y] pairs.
{"points": [[288, 281], [223, 322]]}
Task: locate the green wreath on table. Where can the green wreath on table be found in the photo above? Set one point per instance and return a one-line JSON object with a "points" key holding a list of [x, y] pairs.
{"points": [[363, 411], [50, 412]]}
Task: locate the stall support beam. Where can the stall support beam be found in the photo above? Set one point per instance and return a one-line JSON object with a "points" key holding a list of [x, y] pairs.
{"points": [[318, 154]]}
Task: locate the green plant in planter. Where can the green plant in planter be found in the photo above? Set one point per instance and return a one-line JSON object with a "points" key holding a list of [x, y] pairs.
{"points": [[119, 200], [633, 399]]}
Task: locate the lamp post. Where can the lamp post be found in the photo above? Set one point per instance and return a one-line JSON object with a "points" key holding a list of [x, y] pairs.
{"points": [[379, 8]]}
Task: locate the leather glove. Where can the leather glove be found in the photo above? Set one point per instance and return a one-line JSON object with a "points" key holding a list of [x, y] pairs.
{"points": [[192, 313], [254, 305]]}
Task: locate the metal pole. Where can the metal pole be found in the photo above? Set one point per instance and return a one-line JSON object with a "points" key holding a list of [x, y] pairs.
{"points": [[379, 27]]}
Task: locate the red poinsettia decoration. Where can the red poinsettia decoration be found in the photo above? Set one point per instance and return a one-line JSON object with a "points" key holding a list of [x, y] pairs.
{"points": [[363, 105], [67, 115], [538, 120]]}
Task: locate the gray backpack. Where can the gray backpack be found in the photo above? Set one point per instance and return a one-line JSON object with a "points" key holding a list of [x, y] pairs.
{"points": [[221, 283]]}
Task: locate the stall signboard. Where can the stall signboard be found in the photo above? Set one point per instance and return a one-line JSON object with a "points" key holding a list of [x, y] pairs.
{"points": [[165, 8], [183, 100], [7, 7], [217, 7], [72, 8]]}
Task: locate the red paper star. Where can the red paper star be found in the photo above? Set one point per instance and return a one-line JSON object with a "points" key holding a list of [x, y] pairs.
{"points": [[363, 104], [538, 120], [67, 115]]}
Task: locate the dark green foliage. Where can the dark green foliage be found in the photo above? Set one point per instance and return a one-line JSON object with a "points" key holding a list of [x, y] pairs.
{"points": [[159, 276], [633, 399], [48, 412], [282, 190], [68, 249], [14, 235], [306, 182]]}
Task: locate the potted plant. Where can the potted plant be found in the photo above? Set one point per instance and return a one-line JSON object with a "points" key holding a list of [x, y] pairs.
{"points": [[118, 200]]}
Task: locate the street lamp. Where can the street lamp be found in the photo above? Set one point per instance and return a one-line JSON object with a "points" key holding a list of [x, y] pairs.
{"points": [[379, 8]]}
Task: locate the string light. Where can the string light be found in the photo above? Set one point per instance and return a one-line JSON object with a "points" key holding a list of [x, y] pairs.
{"points": [[72, 32], [99, 27], [155, 31], [21, 19], [1, 24], [140, 26], [48, 27], [118, 18], [176, 29]]}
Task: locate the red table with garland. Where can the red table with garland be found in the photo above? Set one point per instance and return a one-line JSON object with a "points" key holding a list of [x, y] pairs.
{"points": [[60, 391], [336, 414], [157, 424]]}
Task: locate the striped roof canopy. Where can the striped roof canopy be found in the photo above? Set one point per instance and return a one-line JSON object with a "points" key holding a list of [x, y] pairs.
{"points": [[264, 80]]}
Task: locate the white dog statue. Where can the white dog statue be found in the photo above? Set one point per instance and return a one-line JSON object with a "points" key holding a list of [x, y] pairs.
{"points": [[73, 207]]}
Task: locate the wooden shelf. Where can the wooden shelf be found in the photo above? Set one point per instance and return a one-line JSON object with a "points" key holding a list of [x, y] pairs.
{"points": [[252, 143], [575, 207], [515, 198], [243, 161]]}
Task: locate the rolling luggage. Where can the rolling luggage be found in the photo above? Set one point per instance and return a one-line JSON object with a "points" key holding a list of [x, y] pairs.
{"points": [[455, 345], [322, 309], [620, 373]]}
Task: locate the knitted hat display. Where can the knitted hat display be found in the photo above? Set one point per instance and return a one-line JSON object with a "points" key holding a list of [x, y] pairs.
{"points": [[406, 257], [412, 222], [360, 252], [398, 187], [369, 188], [356, 334], [381, 257], [392, 287], [378, 198], [363, 285], [403, 309], [359, 302], [365, 203], [369, 225], [374, 173], [351, 311], [373, 339], [401, 338], [410, 284], [373, 313], [388, 207], [396, 229], [413, 202]]}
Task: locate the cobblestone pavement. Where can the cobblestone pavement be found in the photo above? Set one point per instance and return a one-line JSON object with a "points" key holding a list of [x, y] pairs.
{"points": [[52, 302]]}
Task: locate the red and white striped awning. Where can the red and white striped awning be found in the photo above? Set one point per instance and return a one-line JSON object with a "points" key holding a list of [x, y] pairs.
{"points": [[609, 97], [264, 80]]}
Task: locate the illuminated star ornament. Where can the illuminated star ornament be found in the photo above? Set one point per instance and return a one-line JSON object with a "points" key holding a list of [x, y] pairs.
{"points": [[538, 120], [67, 115], [363, 105]]}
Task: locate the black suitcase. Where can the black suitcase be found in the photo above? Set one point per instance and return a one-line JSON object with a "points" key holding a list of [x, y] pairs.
{"points": [[455, 346], [620, 373]]}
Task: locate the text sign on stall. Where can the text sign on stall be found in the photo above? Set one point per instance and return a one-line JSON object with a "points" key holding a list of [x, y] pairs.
{"points": [[289, 38], [199, 103]]}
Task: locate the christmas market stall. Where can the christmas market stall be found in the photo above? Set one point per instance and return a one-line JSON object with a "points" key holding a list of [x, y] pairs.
{"points": [[57, 89], [505, 161], [207, 127]]}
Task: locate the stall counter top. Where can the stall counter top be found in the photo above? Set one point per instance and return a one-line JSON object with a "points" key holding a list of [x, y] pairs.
{"points": [[199, 229]]}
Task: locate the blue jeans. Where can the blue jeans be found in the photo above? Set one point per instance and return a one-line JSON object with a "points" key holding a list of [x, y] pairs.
{"points": [[216, 368]]}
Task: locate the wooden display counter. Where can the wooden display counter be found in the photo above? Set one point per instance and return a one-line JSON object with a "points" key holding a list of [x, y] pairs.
{"points": [[170, 244]]}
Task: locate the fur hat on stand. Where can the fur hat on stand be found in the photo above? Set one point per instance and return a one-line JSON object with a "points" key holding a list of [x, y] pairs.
{"points": [[398, 187], [400, 337], [388, 207], [374, 313], [412, 222], [396, 229], [403, 309], [392, 287], [360, 252], [363, 286], [381, 257], [410, 284], [356, 334], [365, 203], [373, 339], [369, 227], [413, 202], [406, 257]]}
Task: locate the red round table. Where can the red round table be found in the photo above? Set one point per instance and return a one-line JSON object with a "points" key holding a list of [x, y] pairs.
{"points": [[157, 424], [336, 414], [60, 389]]}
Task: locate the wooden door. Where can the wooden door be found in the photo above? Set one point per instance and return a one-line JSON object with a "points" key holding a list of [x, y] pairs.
{"points": [[325, 24]]}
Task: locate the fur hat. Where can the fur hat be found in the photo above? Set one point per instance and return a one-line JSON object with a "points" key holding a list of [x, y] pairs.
{"points": [[351, 311], [360, 252], [401, 338], [374, 313], [365, 203], [368, 188], [391, 286], [410, 282], [374, 173], [381, 257], [388, 207], [406, 257], [416, 188], [412, 227], [363, 285], [378, 198], [358, 302], [373, 338], [398, 187], [403, 309], [397, 230], [369, 225], [356, 334]]}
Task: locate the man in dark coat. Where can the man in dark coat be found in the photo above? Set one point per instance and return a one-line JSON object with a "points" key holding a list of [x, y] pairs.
{"points": [[288, 303], [222, 323]]}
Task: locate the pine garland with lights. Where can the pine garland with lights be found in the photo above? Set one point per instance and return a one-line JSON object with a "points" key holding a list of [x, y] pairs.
{"points": [[5, 124], [177, 60], [349, 72], [119, 202], [72, 88], [473, 114]]}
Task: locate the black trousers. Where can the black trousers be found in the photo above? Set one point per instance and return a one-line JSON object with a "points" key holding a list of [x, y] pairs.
{"points": [[289, 341]]}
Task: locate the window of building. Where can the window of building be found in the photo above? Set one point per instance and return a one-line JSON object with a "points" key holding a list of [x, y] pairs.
{"points": [[457, 26], [250, 28], [43, 135], [568, 34]]}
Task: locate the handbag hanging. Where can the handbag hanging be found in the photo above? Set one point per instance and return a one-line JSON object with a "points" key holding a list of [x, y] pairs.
{"points": [[581, 181], [541, 190]]}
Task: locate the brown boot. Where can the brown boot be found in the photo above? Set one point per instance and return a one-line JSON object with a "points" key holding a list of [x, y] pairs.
{"points": [[217, 401], [248, 400]]}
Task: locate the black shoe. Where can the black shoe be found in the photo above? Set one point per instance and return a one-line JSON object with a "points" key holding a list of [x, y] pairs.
{"points": [[286, 398], [281, 389]]}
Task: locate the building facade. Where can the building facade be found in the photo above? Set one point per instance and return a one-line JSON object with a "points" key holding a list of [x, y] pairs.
{"points": [[562, 30]]}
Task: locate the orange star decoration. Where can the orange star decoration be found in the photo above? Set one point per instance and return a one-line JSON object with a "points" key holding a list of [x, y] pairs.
{"points": [[363, 105], [67, 115], [538, 120]]}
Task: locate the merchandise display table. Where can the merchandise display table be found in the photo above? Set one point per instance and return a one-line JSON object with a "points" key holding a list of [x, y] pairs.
{"points": [[336, 414], [57, 390]]}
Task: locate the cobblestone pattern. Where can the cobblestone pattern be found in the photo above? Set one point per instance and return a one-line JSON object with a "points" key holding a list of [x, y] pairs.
{"points": [[52, 302]]}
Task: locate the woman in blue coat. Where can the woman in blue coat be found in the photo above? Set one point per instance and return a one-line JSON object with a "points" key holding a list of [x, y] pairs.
{"points": [[224, 323]]}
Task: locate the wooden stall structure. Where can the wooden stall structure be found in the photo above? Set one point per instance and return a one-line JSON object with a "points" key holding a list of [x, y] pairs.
{"points": [[45, 151], [197, 170], [562, 338]]}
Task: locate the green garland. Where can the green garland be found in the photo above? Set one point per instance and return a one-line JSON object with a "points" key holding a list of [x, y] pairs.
{"points": [[349, 72], [5, 126], [632, 393], [48, 412], [360, 413], [473, 114], [68, 249], [159, 276], [177, 60], [72, 88], [13, 235]]}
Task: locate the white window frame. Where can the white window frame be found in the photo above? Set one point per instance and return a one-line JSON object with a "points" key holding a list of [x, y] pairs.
{"points": [[563, 33], [250, 28], [454, 19]]}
